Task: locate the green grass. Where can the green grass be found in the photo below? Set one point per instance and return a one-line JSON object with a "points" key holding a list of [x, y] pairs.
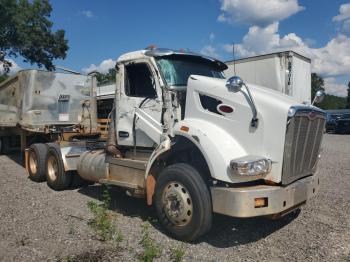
{"points": [[151, 250], [177, 253], [102, 222]]}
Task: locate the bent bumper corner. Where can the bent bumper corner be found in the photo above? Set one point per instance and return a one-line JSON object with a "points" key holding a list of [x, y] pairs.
{"points": [[240, 202]]}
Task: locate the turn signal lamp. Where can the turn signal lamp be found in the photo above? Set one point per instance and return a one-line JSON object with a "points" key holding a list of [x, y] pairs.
{"points": [[184, 128], [251, 166], [260, 202]]}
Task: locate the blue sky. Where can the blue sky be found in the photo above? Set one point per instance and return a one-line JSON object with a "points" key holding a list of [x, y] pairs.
{"points": [[100, 31]]}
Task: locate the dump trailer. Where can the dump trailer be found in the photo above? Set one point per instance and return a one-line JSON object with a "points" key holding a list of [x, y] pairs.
{"points": [[39, 106], [287, 72], [194, 143]]}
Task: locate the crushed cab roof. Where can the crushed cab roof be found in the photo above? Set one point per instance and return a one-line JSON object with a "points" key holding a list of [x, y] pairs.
{"points": [[159, 52]]}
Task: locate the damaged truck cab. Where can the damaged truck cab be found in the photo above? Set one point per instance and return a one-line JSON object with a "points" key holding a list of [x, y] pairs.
{"points": [[193, 142]]}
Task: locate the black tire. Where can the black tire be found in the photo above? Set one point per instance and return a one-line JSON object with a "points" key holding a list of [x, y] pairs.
{"points": [[37, 162], [189, 179], [56, 177]]}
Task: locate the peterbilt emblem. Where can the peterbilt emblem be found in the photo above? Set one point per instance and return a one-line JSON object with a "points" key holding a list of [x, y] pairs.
{"points": [[312, 115]]}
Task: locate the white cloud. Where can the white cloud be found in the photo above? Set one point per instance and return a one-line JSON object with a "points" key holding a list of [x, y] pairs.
{"points": [[331, 60], [257, 12], [103, 67], [210, 50], [344, 13], [13, 69], [334, 88], [87, 13], [343, 18]]}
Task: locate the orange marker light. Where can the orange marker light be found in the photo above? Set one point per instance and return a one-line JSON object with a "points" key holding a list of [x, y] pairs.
{"points": [[260, 202], [184, 128]]}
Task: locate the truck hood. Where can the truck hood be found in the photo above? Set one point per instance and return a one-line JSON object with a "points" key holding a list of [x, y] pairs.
{"points": [[238, 138]]}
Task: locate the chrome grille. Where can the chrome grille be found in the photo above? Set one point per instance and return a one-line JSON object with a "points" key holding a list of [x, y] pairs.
{"points": [[302, 145]]}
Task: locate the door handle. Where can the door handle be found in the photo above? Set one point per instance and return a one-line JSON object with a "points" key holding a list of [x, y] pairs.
{"points": [[123, 134]]}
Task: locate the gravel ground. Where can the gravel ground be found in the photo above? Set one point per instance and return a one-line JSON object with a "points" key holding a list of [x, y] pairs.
{"points": [[39, 224]]}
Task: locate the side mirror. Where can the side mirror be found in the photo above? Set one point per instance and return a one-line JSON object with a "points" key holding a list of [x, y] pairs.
{"points": [[234, 84], [319, 96]]}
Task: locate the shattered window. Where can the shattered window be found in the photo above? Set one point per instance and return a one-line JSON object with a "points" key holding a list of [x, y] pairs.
{"points": [[177, 68]]}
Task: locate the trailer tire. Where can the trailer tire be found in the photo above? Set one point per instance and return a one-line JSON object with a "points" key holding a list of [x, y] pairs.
{"points": [[37, 162], [183, 202], [56, 177]]}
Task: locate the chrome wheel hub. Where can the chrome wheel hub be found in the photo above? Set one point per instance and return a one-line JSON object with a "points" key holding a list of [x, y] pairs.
{"points": [[33, 162], [177, 203], [52, 168]]}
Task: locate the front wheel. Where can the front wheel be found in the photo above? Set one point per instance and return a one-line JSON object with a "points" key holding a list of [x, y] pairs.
{"points": [[183, 202]]}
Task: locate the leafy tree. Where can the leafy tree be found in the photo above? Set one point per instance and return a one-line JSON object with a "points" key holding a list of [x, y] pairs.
{"points": [[348, 98], [317, 83], [330, 101], [3, 77], [25, 30], [107, 78]]}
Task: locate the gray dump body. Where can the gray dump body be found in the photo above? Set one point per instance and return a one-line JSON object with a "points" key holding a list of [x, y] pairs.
{"points": [[38, 100]]}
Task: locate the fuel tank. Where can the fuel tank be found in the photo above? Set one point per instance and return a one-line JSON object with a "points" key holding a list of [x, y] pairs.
{"points": [[92, 165]]}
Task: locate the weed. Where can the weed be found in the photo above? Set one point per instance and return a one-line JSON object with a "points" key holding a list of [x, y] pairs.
{"points": [[102, 222], [177, 253], [150, 249]]}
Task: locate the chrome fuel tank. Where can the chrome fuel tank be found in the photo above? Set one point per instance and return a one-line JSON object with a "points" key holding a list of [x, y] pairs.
{"points": [[92, 165]]}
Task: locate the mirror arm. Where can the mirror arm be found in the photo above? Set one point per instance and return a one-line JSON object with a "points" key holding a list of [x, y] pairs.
{"points": [[255, 120], [313, 101]]}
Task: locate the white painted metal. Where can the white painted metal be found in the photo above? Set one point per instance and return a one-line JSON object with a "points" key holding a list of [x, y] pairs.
{"points": [[105, 91], [126, 106], [286, 72], [223, 138], [150, 126]]}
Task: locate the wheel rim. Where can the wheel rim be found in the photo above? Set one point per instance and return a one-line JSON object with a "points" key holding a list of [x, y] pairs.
{"points": [[177, 203], [52, 168], [33, 162]]}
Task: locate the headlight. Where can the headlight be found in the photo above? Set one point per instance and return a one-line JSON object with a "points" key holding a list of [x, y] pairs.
{"points": [[251, 166]]}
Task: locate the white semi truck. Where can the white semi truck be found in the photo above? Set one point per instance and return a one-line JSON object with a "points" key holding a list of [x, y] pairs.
{"points": [[287, 72], [194, 143]]}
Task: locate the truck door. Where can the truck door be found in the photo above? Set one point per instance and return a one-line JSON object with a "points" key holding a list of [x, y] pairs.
{"points": [[139, 92]]}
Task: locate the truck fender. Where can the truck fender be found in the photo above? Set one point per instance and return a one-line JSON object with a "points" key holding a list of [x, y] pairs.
{"points": [[216, 145], [149, 178]]}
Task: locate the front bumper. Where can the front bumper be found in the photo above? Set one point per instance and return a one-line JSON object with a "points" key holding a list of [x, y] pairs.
{"points": [[240, 202]]}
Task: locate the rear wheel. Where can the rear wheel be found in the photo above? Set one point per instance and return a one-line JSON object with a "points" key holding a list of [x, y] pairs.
{"points": [[56, 177], [183, 202], [37, 162]]}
